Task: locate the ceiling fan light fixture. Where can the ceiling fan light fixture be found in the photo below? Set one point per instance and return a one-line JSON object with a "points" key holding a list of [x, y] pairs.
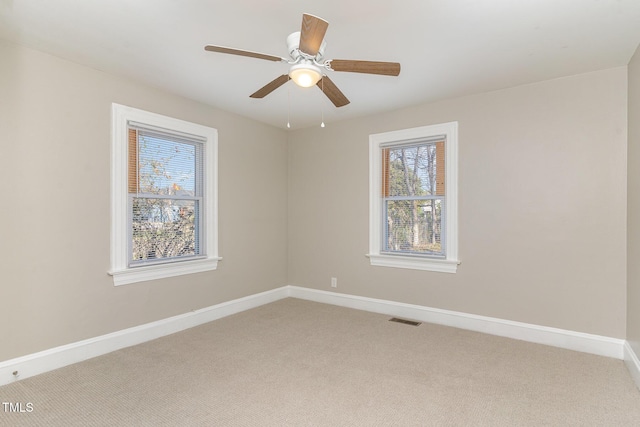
{"points": [[305, 75]]}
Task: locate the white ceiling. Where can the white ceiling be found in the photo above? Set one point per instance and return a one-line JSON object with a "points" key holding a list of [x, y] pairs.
{"points": [[447, 48]]}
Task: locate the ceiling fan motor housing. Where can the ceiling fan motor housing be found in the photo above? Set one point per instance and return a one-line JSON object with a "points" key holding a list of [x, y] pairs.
{"points": [[293, 45]]}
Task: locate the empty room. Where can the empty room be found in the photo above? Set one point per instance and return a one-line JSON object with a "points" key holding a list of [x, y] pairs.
{"points": [[320, 213]]}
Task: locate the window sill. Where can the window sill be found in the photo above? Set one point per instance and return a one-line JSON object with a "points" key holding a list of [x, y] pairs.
{"points": [[152, 272], [414, 263]]}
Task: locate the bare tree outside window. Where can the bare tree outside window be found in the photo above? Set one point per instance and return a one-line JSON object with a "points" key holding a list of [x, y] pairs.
{"points": [[165, 204], [413, 196]]}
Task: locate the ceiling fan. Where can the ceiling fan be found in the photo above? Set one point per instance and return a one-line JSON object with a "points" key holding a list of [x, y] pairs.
{"points": [[306, 57]]}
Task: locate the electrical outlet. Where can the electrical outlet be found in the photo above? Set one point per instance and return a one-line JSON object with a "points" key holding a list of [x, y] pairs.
{"points": [[334, 282]]}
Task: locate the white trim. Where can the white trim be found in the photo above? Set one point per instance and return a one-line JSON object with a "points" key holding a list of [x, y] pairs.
{"points": [[122, 274], [632, 362], [47, 360], [448, 265], [161, 271], [414, 263], [58, 357], [578, 341]]}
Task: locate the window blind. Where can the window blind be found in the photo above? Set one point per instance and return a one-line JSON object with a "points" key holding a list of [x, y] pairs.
{"points": [[436, 175], [165, 183], [413, 193]]}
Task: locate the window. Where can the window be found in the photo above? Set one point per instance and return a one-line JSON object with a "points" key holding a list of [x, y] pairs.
{"points": [[164, 196], [413, 198]]}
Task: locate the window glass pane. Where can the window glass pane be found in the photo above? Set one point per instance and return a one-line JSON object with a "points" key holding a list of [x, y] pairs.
{"points": [[164, 228], [413, 171], [414, 226], [166, 166]]}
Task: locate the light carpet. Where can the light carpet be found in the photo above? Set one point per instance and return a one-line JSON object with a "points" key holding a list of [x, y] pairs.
{"points": [[301, 363]]}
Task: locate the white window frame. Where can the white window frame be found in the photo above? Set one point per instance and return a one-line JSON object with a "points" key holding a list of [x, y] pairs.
{"points": [[448, 264], [120, 270]]}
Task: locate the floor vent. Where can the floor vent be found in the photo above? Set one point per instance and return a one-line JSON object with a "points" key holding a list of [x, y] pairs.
{"points": [[404, 321]]}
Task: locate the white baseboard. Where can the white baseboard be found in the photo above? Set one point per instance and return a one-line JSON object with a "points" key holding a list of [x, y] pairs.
{"points": [[578, 341], [632, 362], [47, 360]]}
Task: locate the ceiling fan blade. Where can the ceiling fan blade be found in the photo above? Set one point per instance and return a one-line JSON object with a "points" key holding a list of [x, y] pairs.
{"points": [[312, 34], [333, 93], [367, 67], [270, 87], [222, 49]]}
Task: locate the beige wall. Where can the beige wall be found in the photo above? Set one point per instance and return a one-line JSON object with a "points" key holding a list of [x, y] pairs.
{"points": [[542, 206], [54, 221], [633, 213]]}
